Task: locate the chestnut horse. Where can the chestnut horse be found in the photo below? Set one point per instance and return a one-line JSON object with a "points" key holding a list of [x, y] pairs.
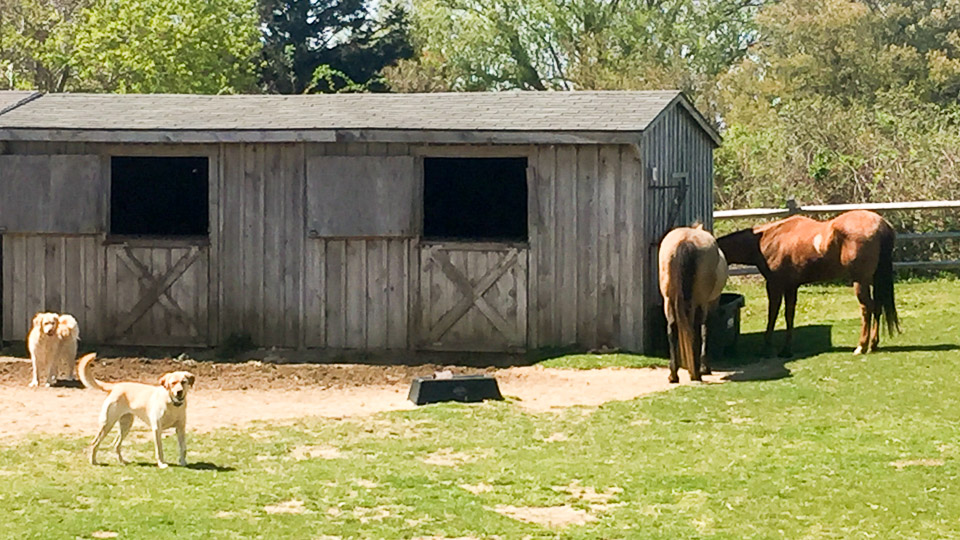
{"points": [[857, 245], [692, 275]]}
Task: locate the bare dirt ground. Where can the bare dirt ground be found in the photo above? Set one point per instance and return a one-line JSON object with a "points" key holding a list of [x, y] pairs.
{"points": [[234, 394]]}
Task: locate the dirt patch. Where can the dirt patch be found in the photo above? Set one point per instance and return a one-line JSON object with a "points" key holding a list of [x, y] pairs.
{"points": [[547, 516], [235, 394], [287, 507], [926, 462]]}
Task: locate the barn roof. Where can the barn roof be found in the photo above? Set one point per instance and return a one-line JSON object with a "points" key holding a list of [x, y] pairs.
{"points": [[520, 117], [11, 99]]}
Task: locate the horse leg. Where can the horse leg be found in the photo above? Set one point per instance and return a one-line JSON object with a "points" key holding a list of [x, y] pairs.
{"points": [[704, 363], [789, 310], [875, 326], [875, 322], [698, 343], [774, 297], [674, 351], [866, 314]]}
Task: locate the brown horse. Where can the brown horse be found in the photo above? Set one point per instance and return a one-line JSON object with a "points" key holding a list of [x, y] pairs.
{"points": [[692, 275], [791, 252]]}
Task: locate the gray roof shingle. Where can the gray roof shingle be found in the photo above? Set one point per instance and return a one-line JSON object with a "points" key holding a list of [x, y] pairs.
{"points": [[12, 98], [500, 111]]}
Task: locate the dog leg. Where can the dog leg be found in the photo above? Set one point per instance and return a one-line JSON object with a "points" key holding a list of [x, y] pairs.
{"points": [[52, 371], [125, 423], [182, 441], [158, 442], [105, 428], [34, 381]]}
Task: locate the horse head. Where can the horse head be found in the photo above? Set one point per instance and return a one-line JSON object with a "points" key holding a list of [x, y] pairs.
{"points": [[742, 247]]}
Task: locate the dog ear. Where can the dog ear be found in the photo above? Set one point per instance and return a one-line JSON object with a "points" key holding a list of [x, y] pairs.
{"points": [[190, 378], [37, 319], [165, 380]]}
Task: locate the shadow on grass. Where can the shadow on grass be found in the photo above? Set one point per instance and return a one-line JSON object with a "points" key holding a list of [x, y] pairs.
{"points": [[198, 466], [204, 466], [749, 362], [919, 348]]}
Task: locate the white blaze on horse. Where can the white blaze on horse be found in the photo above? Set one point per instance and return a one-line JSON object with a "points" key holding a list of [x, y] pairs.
{"points": [[857, 245], [693, 272]]}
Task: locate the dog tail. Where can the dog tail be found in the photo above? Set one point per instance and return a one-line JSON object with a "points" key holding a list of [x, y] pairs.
{"points": [[68, 327], [86, 377]]}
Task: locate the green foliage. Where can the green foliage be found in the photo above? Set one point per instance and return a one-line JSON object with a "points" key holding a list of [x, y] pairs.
{"points": [[844, 102], [583, 44], [839, 446], [181, 46], [130, 45], [36, 41]]}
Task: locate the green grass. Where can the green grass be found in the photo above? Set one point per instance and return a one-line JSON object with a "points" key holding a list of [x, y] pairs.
{"points": [[810, 454]]}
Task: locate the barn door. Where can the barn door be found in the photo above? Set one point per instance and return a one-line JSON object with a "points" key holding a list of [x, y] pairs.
{"points": [[473, 297], [157, 294]]}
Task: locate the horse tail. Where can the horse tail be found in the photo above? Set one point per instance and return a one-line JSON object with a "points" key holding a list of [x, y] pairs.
{"points": [[683, 273], [883, 279]]}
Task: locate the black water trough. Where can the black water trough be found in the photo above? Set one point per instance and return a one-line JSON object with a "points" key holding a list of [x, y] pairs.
{"points": [[462, 388], [723, 327]]}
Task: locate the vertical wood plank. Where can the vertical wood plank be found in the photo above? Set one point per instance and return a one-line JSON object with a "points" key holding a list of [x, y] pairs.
{"points": [[252, 248], [356, 303], [230, 283], [272, 256], [566, 254], [335, 283], [608, 260], [377, 293], [587, 237], [294, 235], [397, 264]]}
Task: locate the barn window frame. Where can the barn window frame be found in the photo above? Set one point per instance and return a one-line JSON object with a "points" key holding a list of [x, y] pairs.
{"points": [[481, 153], [161, 151]]}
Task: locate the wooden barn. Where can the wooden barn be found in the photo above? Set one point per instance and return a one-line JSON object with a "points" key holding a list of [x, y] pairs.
{"points": [[453, 222]]}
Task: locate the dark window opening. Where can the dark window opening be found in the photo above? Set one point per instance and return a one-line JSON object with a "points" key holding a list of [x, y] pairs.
{"points": [[159, 196], [479, 199]]}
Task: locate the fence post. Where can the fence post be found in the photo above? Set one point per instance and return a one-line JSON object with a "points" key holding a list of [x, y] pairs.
{"points": [[793, 207]]}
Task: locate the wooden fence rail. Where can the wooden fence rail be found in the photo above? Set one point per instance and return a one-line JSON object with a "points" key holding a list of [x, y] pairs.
{"points": [[793, 208]]}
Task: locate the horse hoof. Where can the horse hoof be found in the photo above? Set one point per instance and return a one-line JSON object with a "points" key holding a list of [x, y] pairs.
{"points": [[673, 379], [857, 351]]}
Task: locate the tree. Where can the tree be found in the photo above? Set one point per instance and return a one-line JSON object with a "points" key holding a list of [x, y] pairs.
{"points": [[186, 46], [329, 45], [583, 44], [843, 101], [36, 40], [196, 46]]}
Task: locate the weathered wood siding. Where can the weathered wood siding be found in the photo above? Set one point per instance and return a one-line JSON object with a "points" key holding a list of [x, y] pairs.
{"points": [[156, 294], [586, 224], [52, 273], [356, 293], [351, 196], [589, 265], [676, 152], [260, 244], [51, 194], [286, 289], [472, 297]]}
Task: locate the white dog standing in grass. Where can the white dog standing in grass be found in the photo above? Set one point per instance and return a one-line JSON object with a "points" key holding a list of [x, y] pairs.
{"points": [[160, 407], [52, 343]]}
